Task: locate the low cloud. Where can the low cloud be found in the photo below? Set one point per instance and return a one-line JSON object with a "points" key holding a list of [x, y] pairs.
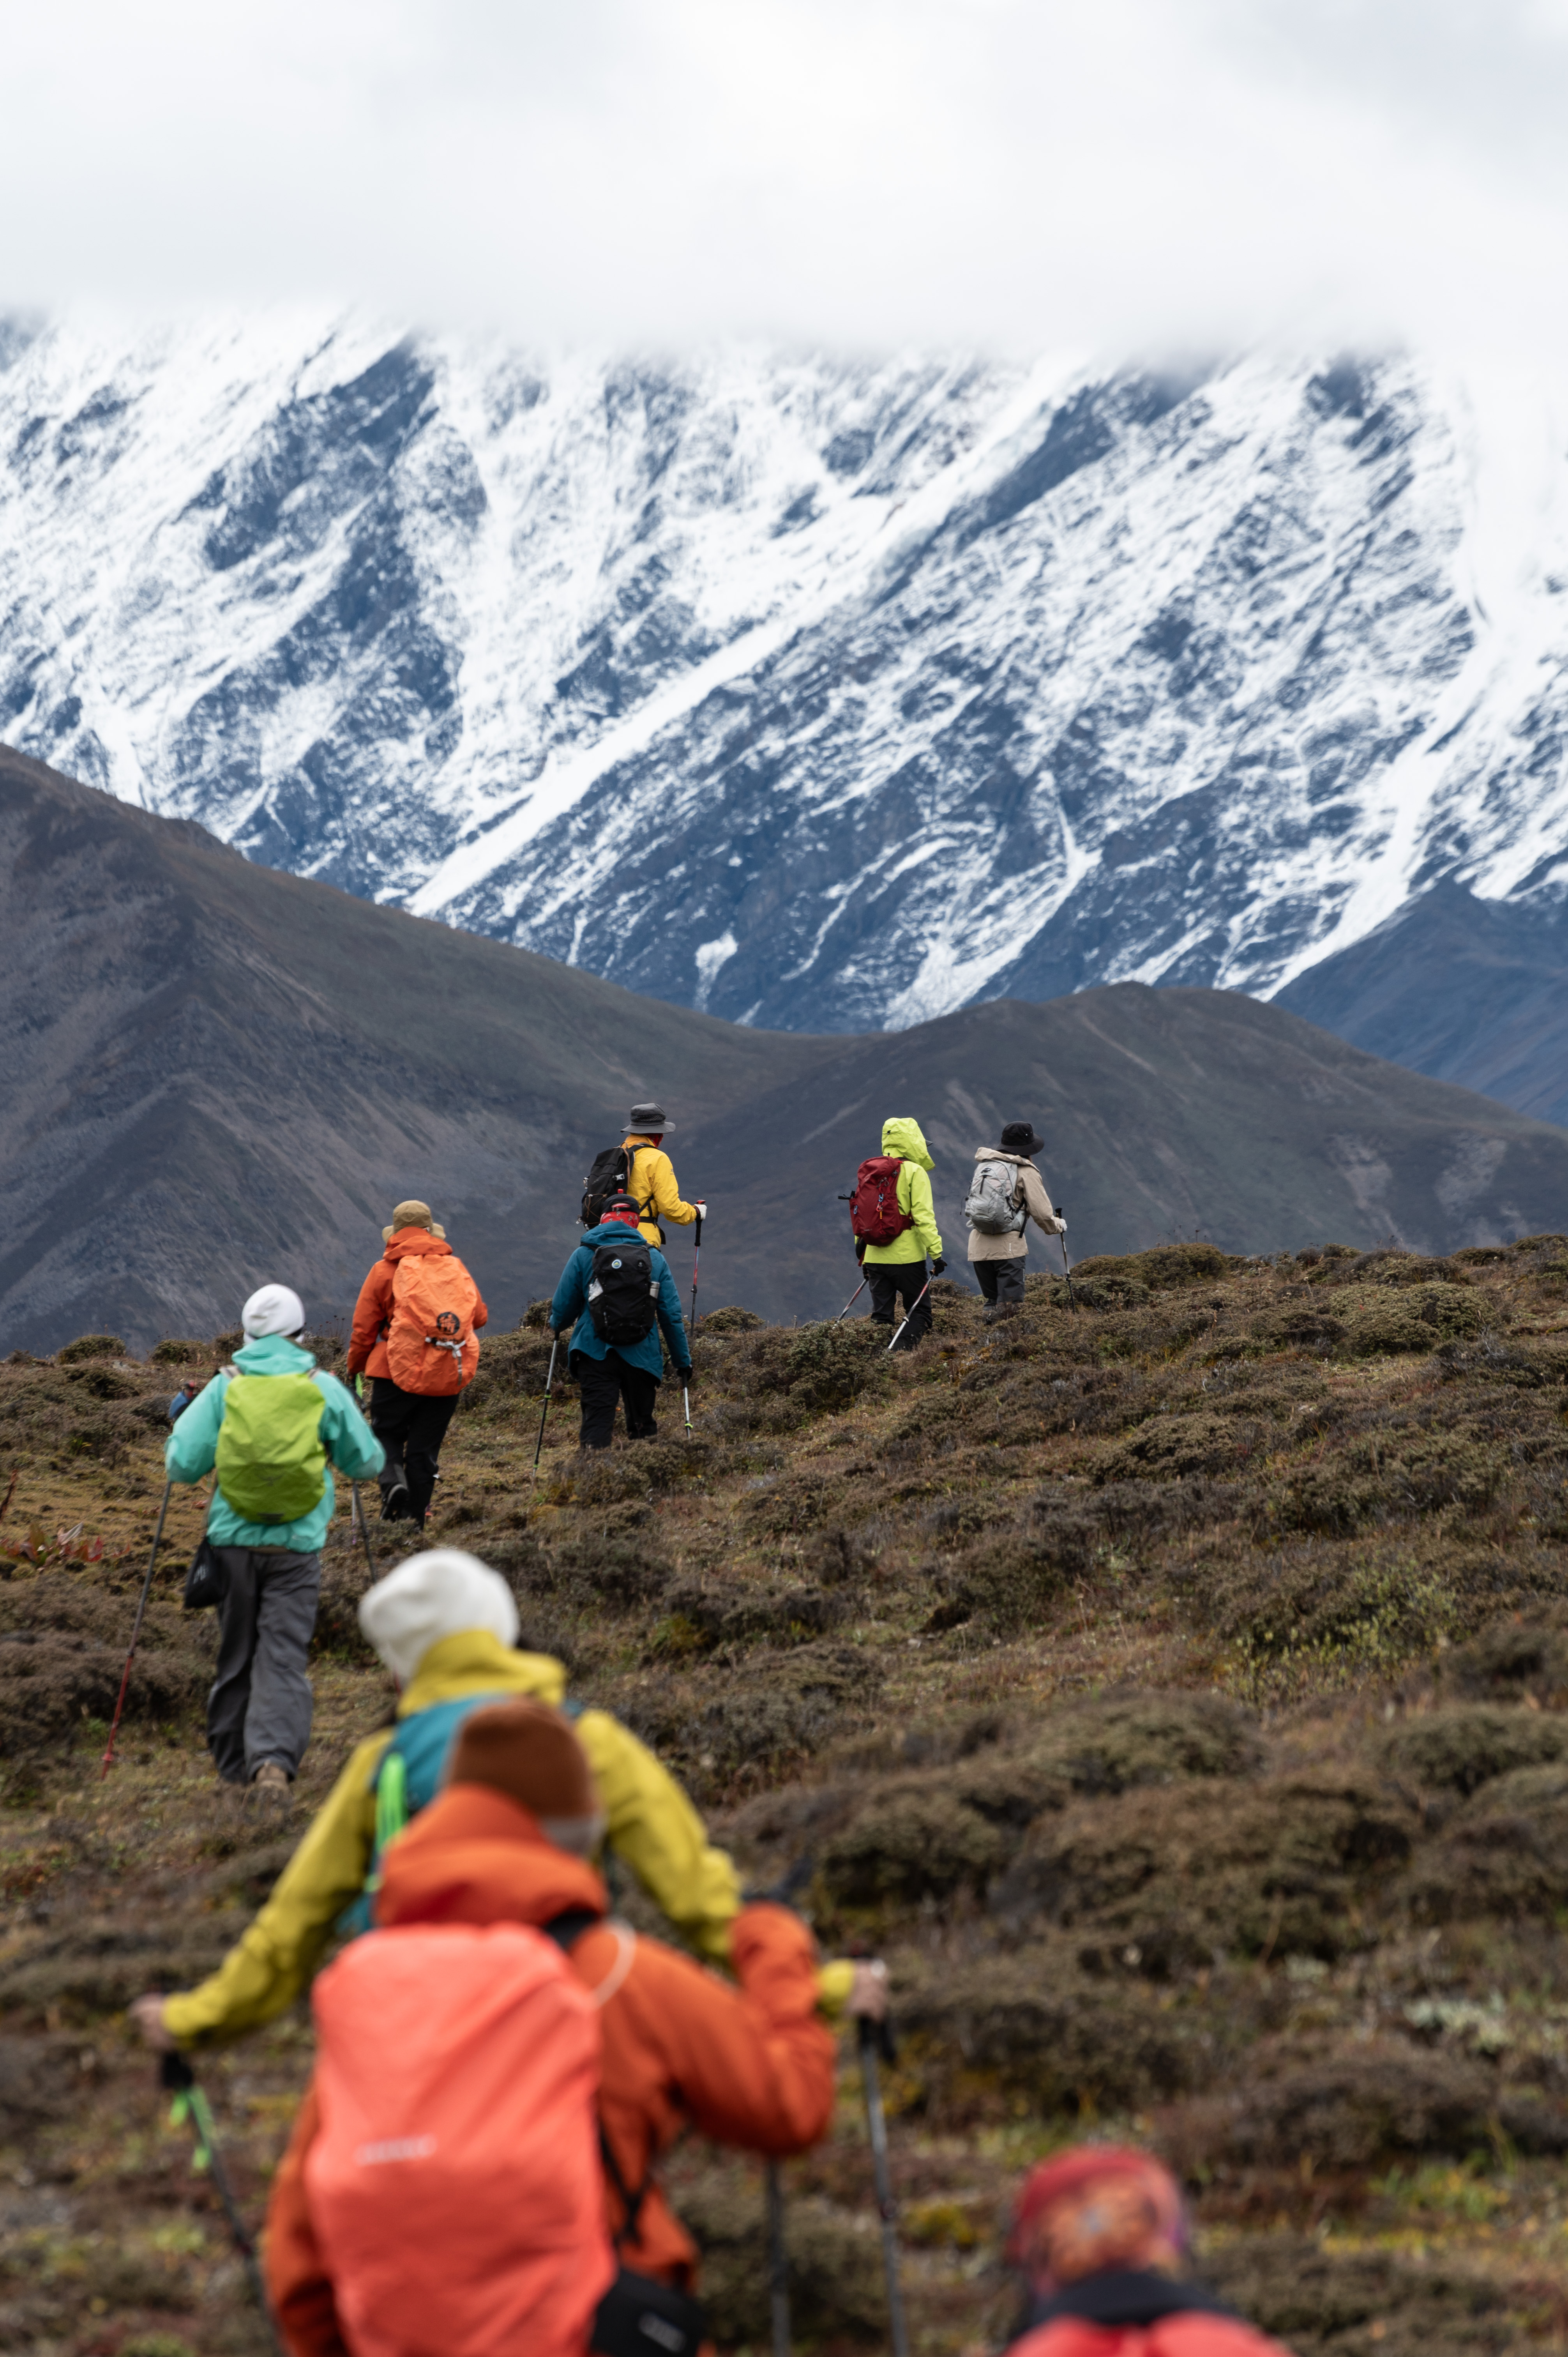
{"points": [[1015, 173]]}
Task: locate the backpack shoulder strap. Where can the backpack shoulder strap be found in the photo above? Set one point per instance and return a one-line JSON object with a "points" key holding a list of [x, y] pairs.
{"points": [[566, 1929], [647, 1201]]}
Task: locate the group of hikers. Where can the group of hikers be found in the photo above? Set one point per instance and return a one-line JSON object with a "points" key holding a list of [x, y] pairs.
{"points": [[500, 2062]]}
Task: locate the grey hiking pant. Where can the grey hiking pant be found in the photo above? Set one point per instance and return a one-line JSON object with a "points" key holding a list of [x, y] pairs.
{"points": [[260, 1704], [1001, 1281]]}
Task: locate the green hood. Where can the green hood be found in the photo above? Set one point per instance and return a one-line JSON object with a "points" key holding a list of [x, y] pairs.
{"points": [[904, 1138]]}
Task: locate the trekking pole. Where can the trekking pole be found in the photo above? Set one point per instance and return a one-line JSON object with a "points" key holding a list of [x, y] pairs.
{"points": [[909, 1314], [872, 2035], [135, 1632], [1067, 1272], [778, 2263], [696, 1256], [549, 1380], [190, 2103], [364, 1528], [686, 1397], [853, 1298]]}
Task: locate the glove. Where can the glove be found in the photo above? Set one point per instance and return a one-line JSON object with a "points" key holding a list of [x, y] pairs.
{"points": [[938, 1266], [701, 1210], [685, 1375], [1062, 1223]]}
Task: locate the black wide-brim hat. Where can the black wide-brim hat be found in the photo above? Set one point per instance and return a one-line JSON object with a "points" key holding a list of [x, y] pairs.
{"points": [[649, 1116], [1019, 1137]]}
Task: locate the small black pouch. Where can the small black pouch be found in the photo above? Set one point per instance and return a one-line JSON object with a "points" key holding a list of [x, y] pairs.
{"points": [[206, 1582], [640, 2318]]}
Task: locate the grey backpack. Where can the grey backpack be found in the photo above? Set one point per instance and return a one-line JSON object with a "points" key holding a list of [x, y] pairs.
{"points": [[989, 1205]]}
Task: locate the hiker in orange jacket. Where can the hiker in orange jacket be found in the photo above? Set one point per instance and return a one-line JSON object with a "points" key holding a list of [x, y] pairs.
{"points": [[507, 1842], [1100, 2234], [411, 1406]]}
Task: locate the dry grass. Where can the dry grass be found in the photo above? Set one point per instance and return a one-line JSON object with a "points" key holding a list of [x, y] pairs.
{"points": [[1173, 1690]]}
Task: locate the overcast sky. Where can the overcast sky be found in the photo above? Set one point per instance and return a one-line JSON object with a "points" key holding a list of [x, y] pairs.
{"points": [[1021, 173]]}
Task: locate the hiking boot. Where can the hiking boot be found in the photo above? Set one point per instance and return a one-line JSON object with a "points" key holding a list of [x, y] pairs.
{"points": [[271, 1779], [396, 1504]]}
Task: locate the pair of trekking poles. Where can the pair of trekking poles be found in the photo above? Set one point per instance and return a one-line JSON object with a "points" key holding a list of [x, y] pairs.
{"points": [[930, 1280], [555, 1344], [178, 2079]]}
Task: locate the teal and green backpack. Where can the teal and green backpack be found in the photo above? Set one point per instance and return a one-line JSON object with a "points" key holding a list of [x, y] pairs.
{"points": [[408, 1777], [272, 1464]]}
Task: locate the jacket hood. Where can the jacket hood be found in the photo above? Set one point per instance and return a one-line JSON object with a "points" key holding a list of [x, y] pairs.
{"points": [[407, 1242], [475, 1857], [609, 1231], [1000, 1154], [475, 1661], [272, 1354], [905, 1138]]}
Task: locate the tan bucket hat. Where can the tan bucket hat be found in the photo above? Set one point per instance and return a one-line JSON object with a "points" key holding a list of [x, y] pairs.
{"points": [[413, 1215]]}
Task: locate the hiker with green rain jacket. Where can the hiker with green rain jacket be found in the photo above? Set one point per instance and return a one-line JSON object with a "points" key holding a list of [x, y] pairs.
{"points": [[897, 1269], [273, 1425]]}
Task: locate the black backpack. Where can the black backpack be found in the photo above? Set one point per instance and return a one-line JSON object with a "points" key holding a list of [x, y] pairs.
{"points": [[623, 1291], [611, 1174]]}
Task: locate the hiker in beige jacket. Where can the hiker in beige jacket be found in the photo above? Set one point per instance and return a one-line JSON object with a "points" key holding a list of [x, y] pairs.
{"points": [[998, 1216]]}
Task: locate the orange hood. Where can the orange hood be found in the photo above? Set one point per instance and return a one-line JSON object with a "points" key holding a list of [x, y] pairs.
{"points": [[413, 1240], [474, 1857]]}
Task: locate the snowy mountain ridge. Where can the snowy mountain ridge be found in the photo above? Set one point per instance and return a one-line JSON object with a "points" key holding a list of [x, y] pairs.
{"points": [[821, 693]]}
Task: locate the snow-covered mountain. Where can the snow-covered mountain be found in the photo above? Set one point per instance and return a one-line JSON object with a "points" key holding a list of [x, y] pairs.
{"points": [[820, 694]]}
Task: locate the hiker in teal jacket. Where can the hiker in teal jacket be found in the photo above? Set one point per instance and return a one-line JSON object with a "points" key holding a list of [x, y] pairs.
{"points": [[269, 1567], [629, 1370]]}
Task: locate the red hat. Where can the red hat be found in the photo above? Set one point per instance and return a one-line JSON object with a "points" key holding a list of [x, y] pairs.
{"points": [[621, 1206], [1093, 2207]]}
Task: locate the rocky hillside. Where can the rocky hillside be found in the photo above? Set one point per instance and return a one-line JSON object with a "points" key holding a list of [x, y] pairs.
{"points": [[217, 1074], [1174, 1688], [825, 694]]}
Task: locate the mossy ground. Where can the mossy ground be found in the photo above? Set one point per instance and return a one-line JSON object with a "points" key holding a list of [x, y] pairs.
{"points": [[1173, 1689]]}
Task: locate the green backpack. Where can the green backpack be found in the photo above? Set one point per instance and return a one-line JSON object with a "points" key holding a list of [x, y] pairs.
{"points": [[272, 1466]]}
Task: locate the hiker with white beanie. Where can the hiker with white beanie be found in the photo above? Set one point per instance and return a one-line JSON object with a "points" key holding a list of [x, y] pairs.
{"points": [[273, 1425], [446, 1627]]}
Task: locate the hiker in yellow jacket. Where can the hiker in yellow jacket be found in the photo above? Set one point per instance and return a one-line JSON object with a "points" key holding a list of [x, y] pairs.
{"points": [[652, 1179], [445, 1626], [898, 1268]]}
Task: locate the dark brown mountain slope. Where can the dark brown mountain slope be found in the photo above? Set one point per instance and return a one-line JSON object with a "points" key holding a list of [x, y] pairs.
{"points": [[215, 1073]]}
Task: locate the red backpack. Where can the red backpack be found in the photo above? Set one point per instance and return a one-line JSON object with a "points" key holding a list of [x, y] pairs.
{"points": [[432, 1347], [454, 2185], [874, 1212]]}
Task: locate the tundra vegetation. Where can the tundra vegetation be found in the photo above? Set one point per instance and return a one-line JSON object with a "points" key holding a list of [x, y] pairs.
{"points": [[1173, 1690]]}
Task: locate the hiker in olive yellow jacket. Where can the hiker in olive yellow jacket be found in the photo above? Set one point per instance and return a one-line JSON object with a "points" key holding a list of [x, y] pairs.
{"points": [[898, 1269], [446, 1628], [651, 1179], [273, 1425]]}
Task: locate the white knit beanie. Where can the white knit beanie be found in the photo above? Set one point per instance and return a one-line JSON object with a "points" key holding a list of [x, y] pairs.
{"points": [[432, 1596], [273, 1310]]}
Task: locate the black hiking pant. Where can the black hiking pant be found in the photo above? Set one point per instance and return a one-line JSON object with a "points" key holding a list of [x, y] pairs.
{"points": [[605, 1382], [1001, 1281], [260, 1706], [411, 1428], [909, 1278]]}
